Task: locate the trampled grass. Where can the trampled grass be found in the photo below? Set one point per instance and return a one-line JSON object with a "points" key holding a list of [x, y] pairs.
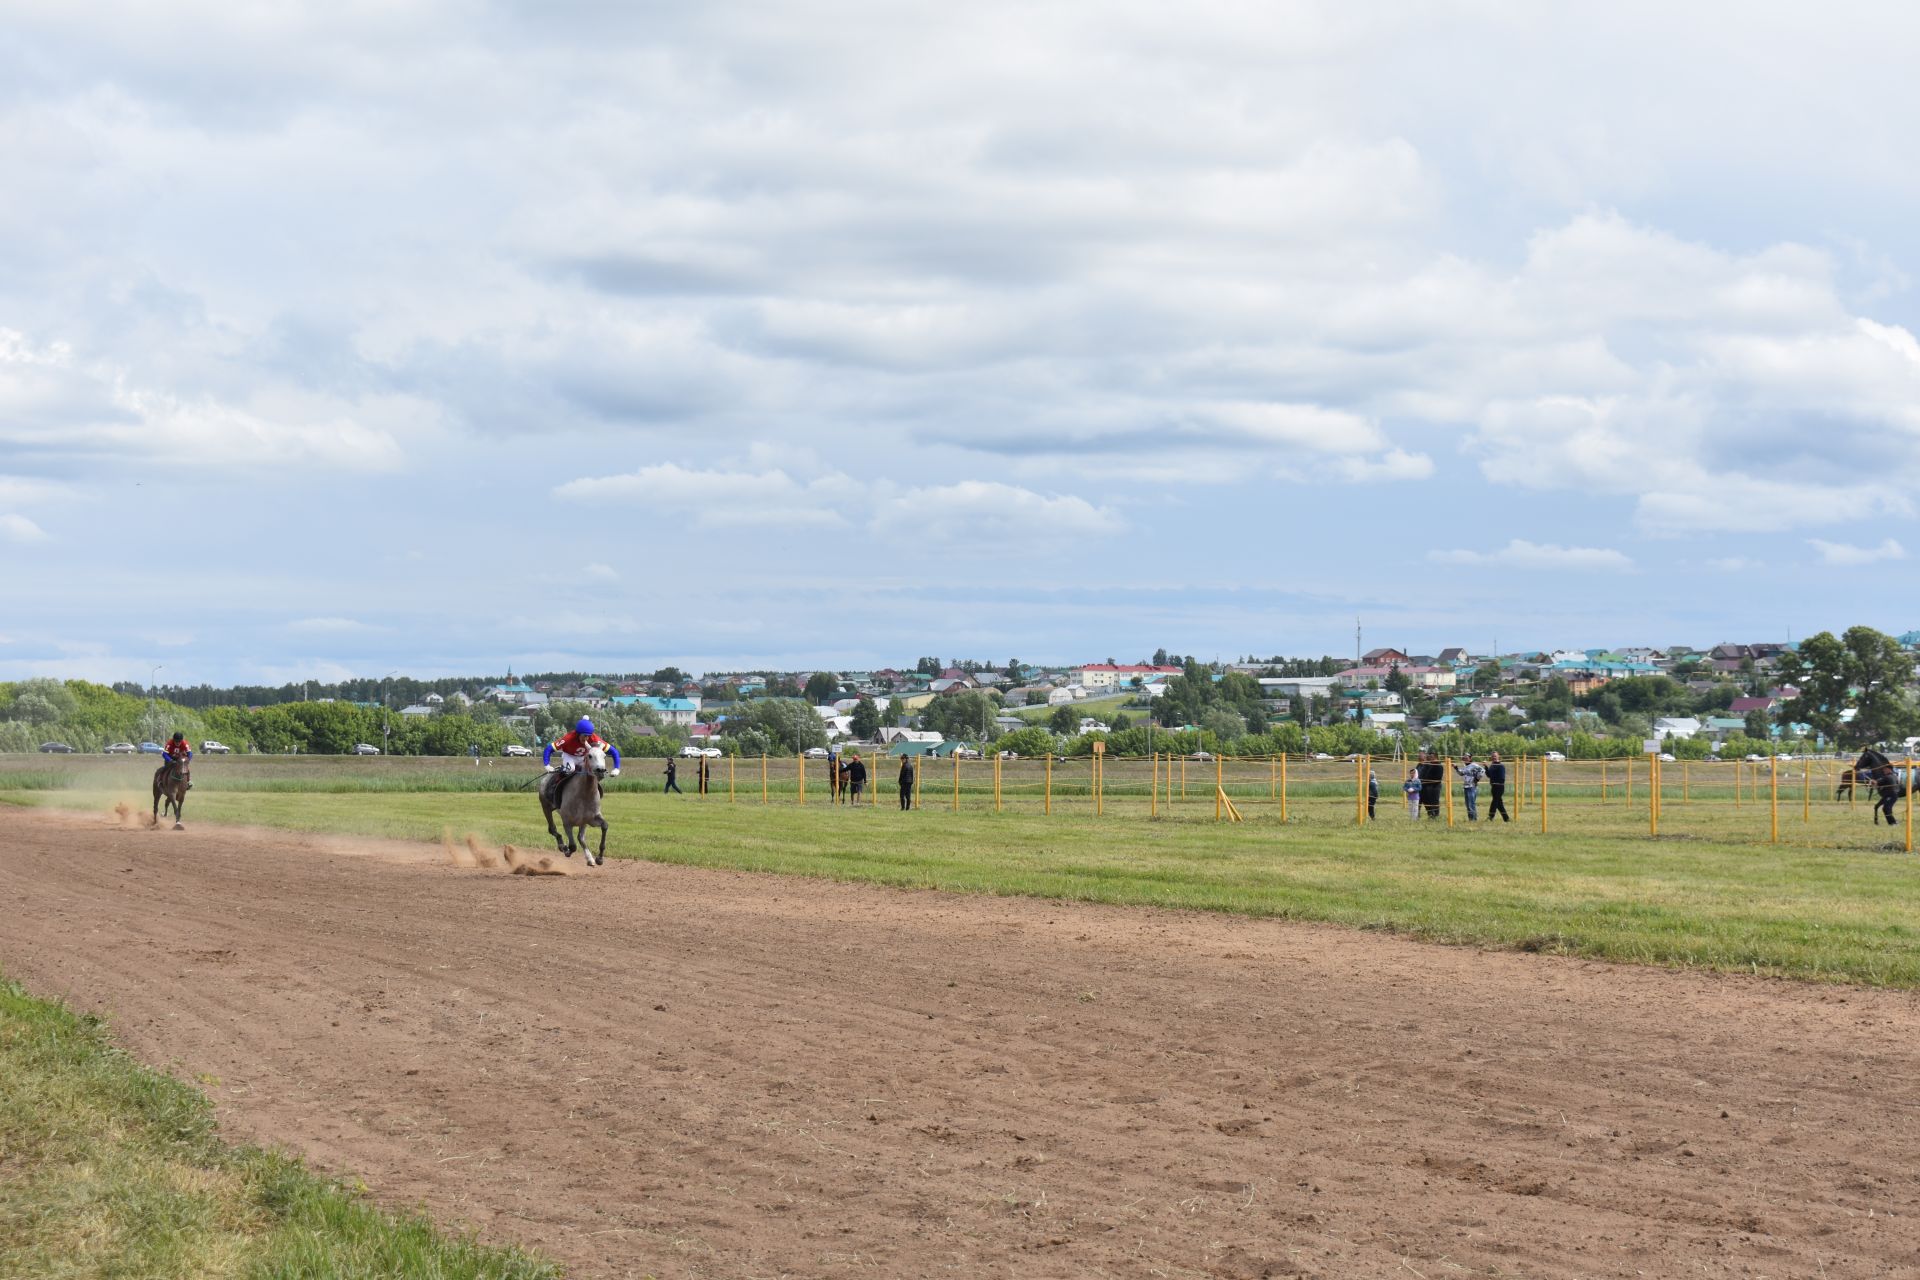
{"points": [[108, 1169], [1835, 902]]}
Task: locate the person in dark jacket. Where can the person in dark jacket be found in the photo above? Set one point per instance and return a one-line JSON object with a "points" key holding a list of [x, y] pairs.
{"points": [[1890, 784], [856, 779], [1497, 787], [1433, 776], [906, 782], [673, 776], [1373, 792]]}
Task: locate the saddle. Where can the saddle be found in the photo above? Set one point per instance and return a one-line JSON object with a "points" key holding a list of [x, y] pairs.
{"points": [[556, 785]]}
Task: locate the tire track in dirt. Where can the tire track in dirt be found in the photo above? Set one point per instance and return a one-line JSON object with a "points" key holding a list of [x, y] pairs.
{"points": [[660, 1070]]}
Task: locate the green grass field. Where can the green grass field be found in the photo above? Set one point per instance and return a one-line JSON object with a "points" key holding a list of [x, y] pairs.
{"points": [[108, 1169], [1836, 900]]}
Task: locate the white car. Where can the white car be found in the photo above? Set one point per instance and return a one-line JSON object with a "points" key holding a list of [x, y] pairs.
{"points": [[213, 748], [515, 749], [119, 749], [1321, 755], [689, 752], [1201, 755], [1666, 757], [1755, 759], [1554, 757], [816, 753], [712, 753]]}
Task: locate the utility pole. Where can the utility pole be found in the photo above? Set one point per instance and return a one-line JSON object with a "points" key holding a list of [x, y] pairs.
{"points": [[1356, 642]]}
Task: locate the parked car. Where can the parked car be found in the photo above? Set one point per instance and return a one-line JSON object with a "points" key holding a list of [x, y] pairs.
{"points": [[966, 753], [1754, 758], [116, 749], [1321, 755], [152, 749], [1009, 755], [1201, 755], [515, 749], [1554, 757], [365, 749], [213, 748], [816, 753], [713, 753], [1666, 757], [691, 752], [56, 748]]}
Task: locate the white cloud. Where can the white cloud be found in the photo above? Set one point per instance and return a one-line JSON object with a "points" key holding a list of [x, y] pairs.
{"points": [[1735, 564], [1841, 553], [1395, 464], [17, 528], [984, 513], [1521, 554], [721, 499], [599, 573], [328, 625]]}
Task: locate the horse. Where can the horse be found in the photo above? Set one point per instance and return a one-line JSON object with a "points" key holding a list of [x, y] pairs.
{"points": [[170, 783], [576, 796]]}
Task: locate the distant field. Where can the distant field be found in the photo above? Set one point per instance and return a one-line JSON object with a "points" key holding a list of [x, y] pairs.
{"points": [[1098, 708], [1833, 901]]}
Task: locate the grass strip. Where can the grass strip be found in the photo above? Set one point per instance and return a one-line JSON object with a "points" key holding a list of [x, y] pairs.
{"points": [[109, 1169]]}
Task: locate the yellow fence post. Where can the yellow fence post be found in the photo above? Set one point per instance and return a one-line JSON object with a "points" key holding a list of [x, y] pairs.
{"points": [[1049, 809], [1099, 777], [730, 760], [1153, 802], [1909, 804], [1543, 796], [956, 780], [1219, 784], [1273, 782], [1283, 788], [1448, 783], [1653, 799], [800, 775], [763, 777], [1629, 782], [1183, 777]]}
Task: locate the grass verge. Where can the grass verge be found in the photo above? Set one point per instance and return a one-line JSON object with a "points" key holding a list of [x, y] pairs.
{"points": [[109, 1169]]}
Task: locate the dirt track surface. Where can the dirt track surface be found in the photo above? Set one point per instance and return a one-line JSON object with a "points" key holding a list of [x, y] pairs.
{"points": [[649, 1070]]}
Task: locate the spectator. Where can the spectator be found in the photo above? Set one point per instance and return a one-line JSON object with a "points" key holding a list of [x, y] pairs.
{"points": [[1373, 792], [1412, 789], [1890, 782], [1433, 776], [906, 782], [1472, 774], [1497, 780], [673, 775], [856, 779]]}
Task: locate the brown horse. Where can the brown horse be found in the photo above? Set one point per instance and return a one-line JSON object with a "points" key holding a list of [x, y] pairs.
{"points": [[576, 797], [170, 783]]}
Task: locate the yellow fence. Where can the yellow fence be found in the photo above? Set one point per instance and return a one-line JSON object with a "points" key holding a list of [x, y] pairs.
{"points": [[1800, 801]]}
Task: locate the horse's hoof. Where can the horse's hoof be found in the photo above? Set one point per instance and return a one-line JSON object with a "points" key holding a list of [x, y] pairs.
{"points": [[179, 827]]}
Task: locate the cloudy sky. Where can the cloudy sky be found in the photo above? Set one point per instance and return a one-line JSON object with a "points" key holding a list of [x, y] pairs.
{"points": [[440, 336]]}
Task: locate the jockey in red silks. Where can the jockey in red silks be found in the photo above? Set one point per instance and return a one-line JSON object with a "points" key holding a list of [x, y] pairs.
{"points": [[177, 751], [573, 749]]}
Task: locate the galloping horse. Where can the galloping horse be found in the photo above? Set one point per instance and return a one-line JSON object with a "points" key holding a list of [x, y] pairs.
{"points": [[170, 783], [576, 796]]}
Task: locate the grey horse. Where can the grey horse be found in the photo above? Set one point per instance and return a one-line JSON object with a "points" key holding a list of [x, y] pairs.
{"points": [[170, 783], [576, 796]]}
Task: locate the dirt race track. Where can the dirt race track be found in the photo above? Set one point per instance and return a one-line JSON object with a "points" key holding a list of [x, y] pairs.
{"points": [[651, 1070]]}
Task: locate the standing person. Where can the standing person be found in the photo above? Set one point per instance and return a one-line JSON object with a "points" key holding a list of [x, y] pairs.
{"points": [[1433, 776], [906, 782], [856, 779], [1890, 785], [1412, 789], [1472, 774], [673, 778], [1373, 792], [1497, 781]]}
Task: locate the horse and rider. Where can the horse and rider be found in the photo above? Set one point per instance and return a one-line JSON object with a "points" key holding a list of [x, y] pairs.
{"points": [[173, 779], [572, 789], [1889, 782]]}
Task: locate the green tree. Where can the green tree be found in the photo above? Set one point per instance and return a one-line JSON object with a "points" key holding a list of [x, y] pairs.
{"points": [[1031, 741], [968, 714], [866, 719], [1865, 667], [822, 687], [788, 724], [1225, 724], [1065, 720]]}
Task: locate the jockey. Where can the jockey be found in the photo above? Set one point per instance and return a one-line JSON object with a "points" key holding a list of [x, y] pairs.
{"points": [[573, 749], [177, 751]]}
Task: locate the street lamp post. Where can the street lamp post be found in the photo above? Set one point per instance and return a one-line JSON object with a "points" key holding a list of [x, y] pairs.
{"points": [[386, 718]]}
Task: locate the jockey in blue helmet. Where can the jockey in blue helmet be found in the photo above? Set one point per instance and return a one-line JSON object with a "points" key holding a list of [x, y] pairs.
{"points": [[573, 748]]}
